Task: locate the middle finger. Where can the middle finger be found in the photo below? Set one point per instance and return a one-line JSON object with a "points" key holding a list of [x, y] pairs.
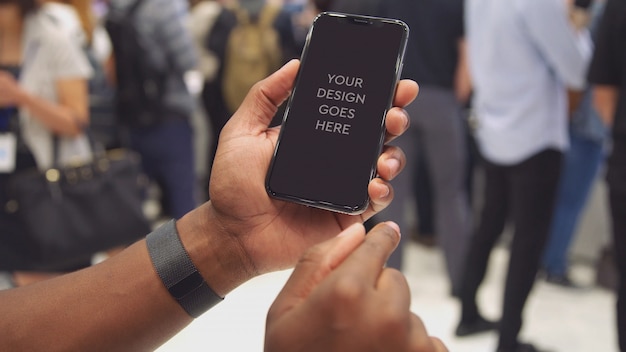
{"points": [[396, 123]]}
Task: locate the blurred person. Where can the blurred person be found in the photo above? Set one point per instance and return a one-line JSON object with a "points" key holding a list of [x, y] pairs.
{"points": [[237, 235], [203, 15], [303, 20], [278, 49], [434, 57], [321, 5], [78, 19], [359, 7], [424, 231], [67, 16], [166, 143], [523, 54], [43, 80], [608, 77], [294, 6], [582, 162]]}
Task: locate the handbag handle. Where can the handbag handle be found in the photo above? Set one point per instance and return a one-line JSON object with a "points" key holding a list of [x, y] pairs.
{"points": [[53, 175], [97, 149]]}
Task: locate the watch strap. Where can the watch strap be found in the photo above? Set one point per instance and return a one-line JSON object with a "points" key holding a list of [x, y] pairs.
{"points": [[178, 273]]}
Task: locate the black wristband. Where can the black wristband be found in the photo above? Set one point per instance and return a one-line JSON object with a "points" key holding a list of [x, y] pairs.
{"points": [[178, 273]]}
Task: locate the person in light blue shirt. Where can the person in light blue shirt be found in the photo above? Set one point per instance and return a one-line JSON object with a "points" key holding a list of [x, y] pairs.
{"points": [[523, 56]]}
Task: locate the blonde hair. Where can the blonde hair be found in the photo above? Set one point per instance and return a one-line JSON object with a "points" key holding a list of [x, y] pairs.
{"points": [[85, 15]]}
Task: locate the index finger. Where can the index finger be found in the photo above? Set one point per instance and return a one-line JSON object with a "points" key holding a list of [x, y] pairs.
{"points": [[367, 261]]}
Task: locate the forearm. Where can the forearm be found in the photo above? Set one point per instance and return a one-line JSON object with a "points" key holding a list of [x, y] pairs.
{"points": [[605, 102], [566, 49], [56, 117], [462, 79], [120, 304]]}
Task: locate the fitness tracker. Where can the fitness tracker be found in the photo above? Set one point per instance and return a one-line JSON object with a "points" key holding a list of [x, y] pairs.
{"points": [[178, 273]]}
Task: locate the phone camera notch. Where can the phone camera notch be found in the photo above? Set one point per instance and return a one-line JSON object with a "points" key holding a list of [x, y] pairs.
{"points": [[363, 21]]}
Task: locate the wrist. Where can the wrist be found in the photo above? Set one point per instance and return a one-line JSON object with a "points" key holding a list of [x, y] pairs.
{"points": [[21, 97], [218, 255], [178, 273]]}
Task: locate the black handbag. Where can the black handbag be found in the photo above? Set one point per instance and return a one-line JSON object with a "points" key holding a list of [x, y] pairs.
{"points": [[70, 213]]}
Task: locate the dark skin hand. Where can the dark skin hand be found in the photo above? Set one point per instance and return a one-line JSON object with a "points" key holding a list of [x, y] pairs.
{"points": [[286, 227], [348, 300], [122, 305]]}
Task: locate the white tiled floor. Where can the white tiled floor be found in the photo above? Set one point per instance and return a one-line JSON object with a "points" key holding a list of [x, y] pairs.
{"points": [[556, 319]]}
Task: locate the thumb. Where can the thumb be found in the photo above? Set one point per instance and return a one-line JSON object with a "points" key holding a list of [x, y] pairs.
{"points": [[264, 98], [316, 264]]}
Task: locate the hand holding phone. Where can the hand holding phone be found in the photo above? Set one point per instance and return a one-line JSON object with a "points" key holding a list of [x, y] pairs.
{"points": [[334, 124]]}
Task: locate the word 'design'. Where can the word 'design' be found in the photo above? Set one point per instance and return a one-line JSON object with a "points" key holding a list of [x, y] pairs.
{"points": [[342, 103]]}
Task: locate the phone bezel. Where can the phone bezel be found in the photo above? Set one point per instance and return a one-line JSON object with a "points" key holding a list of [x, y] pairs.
{"points": [[359, 20]]}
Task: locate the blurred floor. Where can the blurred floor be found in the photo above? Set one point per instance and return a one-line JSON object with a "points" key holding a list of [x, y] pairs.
{"points": [[557, 319]]}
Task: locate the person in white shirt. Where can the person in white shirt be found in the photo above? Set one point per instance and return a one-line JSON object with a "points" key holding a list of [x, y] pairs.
{"points": [[48, 88]]}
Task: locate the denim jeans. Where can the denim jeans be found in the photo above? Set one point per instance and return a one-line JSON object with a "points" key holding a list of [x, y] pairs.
{"points": [[580, 169]]}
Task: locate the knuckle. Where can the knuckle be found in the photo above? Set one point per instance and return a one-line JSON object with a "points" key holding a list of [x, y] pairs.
{"points": [[392, 322], [396, 276], [314, 254], [423, 345], [439, 345], [390, 241], [348, 291], [262, 103]]}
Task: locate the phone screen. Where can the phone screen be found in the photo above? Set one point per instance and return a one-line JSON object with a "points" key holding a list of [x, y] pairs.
{"points": [[333, 128]]}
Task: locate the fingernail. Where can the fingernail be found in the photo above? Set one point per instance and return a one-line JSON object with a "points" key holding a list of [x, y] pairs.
{"points": [[394, 165], [386, 194], [407, 122], [394, 226]]}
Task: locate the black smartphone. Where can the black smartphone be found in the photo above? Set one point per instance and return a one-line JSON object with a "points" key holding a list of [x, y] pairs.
{"points": [[334, 125]]}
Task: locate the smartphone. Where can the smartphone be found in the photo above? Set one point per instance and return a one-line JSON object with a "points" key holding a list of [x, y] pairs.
{"points": [[334, 124]]}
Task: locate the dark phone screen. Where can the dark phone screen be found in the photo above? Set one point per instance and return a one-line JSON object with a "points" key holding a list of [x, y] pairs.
{"points": [[332, 132]]}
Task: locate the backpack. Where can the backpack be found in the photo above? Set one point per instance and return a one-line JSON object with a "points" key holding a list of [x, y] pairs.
{"points": [[253, 52], [141, 84]]}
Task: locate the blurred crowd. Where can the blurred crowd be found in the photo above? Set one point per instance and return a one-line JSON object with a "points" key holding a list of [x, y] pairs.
{"points": [[512, 92]]}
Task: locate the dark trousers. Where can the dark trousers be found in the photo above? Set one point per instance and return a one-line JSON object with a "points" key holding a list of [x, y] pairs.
{"points": [[167, 158], [525, 193]]}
